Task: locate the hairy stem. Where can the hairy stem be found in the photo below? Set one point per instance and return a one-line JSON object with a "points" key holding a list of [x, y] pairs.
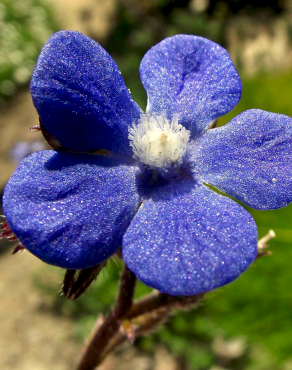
{"points": [[93, 353], [148, 324], [157, 301], [150, 313]]}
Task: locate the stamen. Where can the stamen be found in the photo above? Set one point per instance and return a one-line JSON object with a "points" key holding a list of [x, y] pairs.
{"points": [[158, 142]]}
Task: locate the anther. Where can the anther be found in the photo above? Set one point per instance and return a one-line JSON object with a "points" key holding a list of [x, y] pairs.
{"points": [[163, 137]]}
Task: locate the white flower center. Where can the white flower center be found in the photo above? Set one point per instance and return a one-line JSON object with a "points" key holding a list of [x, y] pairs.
{"points": [[159, 143]]}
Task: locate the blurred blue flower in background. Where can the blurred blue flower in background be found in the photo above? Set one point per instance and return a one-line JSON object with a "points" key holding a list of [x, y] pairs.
{"points": [[23, 148], [75, 207]]}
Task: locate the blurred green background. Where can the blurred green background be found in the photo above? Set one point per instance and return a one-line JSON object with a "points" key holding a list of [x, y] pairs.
{"points": [[247, 324]]}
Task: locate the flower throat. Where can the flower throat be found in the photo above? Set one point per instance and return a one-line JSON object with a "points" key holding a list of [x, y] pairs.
{"points": [[158, 143]]}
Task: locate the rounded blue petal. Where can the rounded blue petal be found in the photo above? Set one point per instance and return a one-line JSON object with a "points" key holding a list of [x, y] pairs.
{"points": [[187, 239], [192, 77], [80, 95], [71, 210], [250, 159]]}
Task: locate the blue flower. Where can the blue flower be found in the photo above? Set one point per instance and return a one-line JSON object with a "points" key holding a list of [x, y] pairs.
{"points": [[74, 209]]}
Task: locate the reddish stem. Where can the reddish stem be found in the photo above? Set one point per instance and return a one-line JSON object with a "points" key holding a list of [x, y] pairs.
{"points": [[156, 301], [93, 353]]}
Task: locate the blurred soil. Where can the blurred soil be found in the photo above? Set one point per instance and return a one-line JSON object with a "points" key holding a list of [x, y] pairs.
{"points": [[30, 339], [33, 338]]}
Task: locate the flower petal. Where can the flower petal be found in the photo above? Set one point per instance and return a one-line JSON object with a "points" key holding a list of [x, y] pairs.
{"points": [[188, 239], [190, 76], [80, 95], [250, 159], [70, 210]]}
